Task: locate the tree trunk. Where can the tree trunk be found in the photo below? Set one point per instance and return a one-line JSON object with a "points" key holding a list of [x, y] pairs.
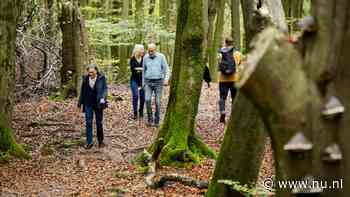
{"points": [[294, 11], [139, 17], [177, 144], [50, 23], [164, 12], [71, 70], [236, 23], [255, 20], [245, 135], [8, 21], [126, 9], [218, 38], [152, 5], [294, 99], [210, 33], [242, 150]]}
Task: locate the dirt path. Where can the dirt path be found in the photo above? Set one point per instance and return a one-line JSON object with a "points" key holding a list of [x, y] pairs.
{"points": [[51, 132]]}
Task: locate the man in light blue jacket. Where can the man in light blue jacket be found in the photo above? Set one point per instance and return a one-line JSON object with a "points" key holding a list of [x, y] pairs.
{"points": [[155, 76]]}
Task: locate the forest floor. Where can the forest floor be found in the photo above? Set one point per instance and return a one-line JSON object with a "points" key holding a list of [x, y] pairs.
{"points": [[52, 132]]}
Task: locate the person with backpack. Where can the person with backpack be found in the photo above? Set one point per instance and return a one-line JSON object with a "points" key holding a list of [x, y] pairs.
{"points": [[230, 59], [137, 91], [93, 99], [155, 76]]}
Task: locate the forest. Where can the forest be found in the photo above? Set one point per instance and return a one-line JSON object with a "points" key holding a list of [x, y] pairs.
{"points": [[215, 98]]}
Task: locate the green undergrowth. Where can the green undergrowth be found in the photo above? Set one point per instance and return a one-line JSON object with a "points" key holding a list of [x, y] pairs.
{"points": [[9, 147]]}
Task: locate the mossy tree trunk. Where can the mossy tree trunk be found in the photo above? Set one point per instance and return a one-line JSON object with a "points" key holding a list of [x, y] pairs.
{"points": [[245, 136], [217, 39], [242, 150], [177, 142], [71, 25], [236, 23], [8, 21], [295, 95]]}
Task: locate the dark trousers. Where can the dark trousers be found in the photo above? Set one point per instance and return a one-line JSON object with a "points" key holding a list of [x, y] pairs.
{"points": [[136, 96], [224, 88], [89, 117]]}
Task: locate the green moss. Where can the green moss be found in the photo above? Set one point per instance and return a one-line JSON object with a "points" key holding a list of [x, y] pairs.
{"points": [[5, 157], [184, 153], [8, 144]]}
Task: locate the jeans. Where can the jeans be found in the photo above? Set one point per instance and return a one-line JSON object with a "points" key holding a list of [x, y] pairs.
{"points": [[89, 112], [224, 88], [136, 94], [153, 86]]}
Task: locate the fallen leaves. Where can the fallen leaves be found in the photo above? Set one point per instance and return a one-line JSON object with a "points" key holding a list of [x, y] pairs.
{"points": [[61, 167]]}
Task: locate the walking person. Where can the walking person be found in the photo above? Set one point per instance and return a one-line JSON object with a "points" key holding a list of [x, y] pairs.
{"points": [[93, 100], [230, 59], [138, 95], [155, 76]]}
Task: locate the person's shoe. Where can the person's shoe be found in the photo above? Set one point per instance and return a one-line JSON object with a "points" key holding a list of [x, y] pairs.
{"points": [[101, 145], [222, 118], [88, 146], [149, 124], [141, 114], [135, 116]]}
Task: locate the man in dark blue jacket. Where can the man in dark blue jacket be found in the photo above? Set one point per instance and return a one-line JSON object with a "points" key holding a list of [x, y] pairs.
{"points": [[93, 96]]}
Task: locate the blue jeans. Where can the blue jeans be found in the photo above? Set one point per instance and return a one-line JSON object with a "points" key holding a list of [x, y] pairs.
{"points": [[136, 94], [89, 112], [153, 86], [224, 88]]}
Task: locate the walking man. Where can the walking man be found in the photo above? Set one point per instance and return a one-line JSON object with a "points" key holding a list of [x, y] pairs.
{"points": [[155, 76], [230, 59]]}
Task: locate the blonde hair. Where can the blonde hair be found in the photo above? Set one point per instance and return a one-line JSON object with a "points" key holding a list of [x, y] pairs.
{"points": [[137, 47]]}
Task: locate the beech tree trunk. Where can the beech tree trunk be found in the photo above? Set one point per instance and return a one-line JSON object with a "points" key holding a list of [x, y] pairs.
{"points": [[217, 39], [126, 9], [294, 98], [152, 5], [294, 11], [211, 28], [8, 21], [245, 136], [139, 15], [164, 6], [71, 70], [49, 18], [178, 144], [242, 150], [236, 23]]}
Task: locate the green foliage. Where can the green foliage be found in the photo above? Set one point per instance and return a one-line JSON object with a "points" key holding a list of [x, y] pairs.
{"points": [[9, 145], [245, 190], [104, 32]]}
